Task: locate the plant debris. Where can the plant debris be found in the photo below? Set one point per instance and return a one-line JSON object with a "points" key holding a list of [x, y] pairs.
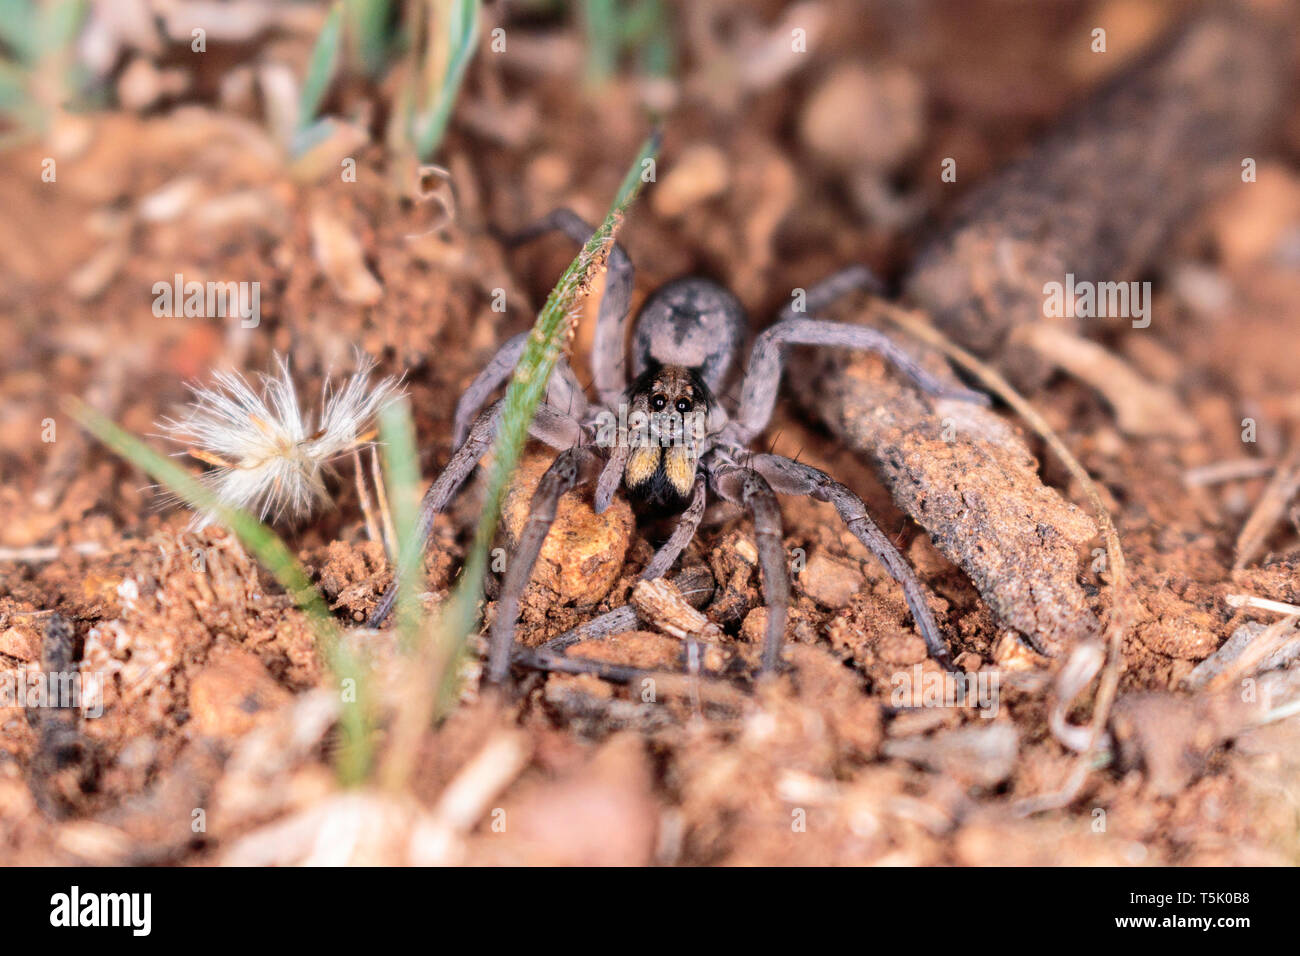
{"points": [[1157, 683]]}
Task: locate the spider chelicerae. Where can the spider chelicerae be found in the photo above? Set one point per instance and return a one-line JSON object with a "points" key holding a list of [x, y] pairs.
{"points": [[669, 440]]}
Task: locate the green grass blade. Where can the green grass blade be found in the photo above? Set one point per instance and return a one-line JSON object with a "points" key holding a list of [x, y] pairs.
{"points": [[320, 68], [461, 32], [13, 86], [402, 477], [527, 387], [440, 653], [367, 22], [19, 28], [601, 22], [654, 36]]}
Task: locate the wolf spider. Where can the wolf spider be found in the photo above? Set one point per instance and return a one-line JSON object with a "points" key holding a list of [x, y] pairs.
{"points": [[684, 341]]}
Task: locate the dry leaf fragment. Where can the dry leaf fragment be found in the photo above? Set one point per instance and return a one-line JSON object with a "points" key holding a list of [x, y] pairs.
{"points": [[1270, 509], [660, 602], [342, 260], [1142, 407]]}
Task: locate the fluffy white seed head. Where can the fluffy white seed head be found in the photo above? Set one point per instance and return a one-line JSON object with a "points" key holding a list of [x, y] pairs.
{"points": [[267, 458]]}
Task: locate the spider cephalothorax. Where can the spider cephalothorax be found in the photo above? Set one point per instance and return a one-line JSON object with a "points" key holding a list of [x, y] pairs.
{"points": [[669, 441]]}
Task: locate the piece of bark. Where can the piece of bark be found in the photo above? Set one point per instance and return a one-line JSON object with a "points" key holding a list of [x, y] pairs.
{"points": [[1142, 407], [964, 475], [1253, 648], [1269, 510], [659, 602], [1104, 192], [1098, 198]]}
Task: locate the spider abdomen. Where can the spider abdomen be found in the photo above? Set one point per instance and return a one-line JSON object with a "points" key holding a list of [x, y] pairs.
{"points": [[691, 322]]}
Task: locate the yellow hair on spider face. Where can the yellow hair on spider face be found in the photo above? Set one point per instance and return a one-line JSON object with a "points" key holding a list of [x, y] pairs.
{"points": [[679, 468], [641, 466]]}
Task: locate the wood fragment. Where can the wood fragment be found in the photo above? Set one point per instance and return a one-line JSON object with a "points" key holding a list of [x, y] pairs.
{"points": [[1262, 604], [1097, 200], [1220, 471], [1121, 609], [479, 782], [695, 585], [712, 688], [1268, 642], [1100, 196], [662, 604], [1270, 509], [1253, 648], [982, 754], [1142, 407], [39, 554], [59, 767], [1121, 598], [964, 476]]}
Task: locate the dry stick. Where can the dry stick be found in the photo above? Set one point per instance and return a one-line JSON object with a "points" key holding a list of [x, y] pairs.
{"points": [[58, 722], [1120, 596], [1267, 643], [1261, 604], [1166, 133], [1221, 471], [482, 778], [1270, 509], [661, 603], [40, 612], [712, 688], [385, 514], [38, 554], [624, 618], [372, 529], [1100, 196]]}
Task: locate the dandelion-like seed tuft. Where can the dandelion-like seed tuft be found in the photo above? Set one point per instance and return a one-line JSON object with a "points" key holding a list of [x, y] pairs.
{"points": [[266, 458]]}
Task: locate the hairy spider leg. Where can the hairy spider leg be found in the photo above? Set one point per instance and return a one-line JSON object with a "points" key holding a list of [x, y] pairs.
{"points": [[745, 486], [767, 363], [572, 467], [609, 345], [563, 391], [549, 425], [795, 478], [852, 278]]}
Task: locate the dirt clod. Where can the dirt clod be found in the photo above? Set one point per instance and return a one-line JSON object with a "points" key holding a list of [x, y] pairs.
{"points": [[233, 693], [583, 554], [830, 583]]}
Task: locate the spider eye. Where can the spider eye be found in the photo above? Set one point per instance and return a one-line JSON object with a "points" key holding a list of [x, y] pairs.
{"points": [[683, 405], [659, 402]]}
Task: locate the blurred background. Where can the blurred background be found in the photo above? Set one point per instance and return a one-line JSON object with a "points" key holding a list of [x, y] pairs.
{"points": [[359, 159]]}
